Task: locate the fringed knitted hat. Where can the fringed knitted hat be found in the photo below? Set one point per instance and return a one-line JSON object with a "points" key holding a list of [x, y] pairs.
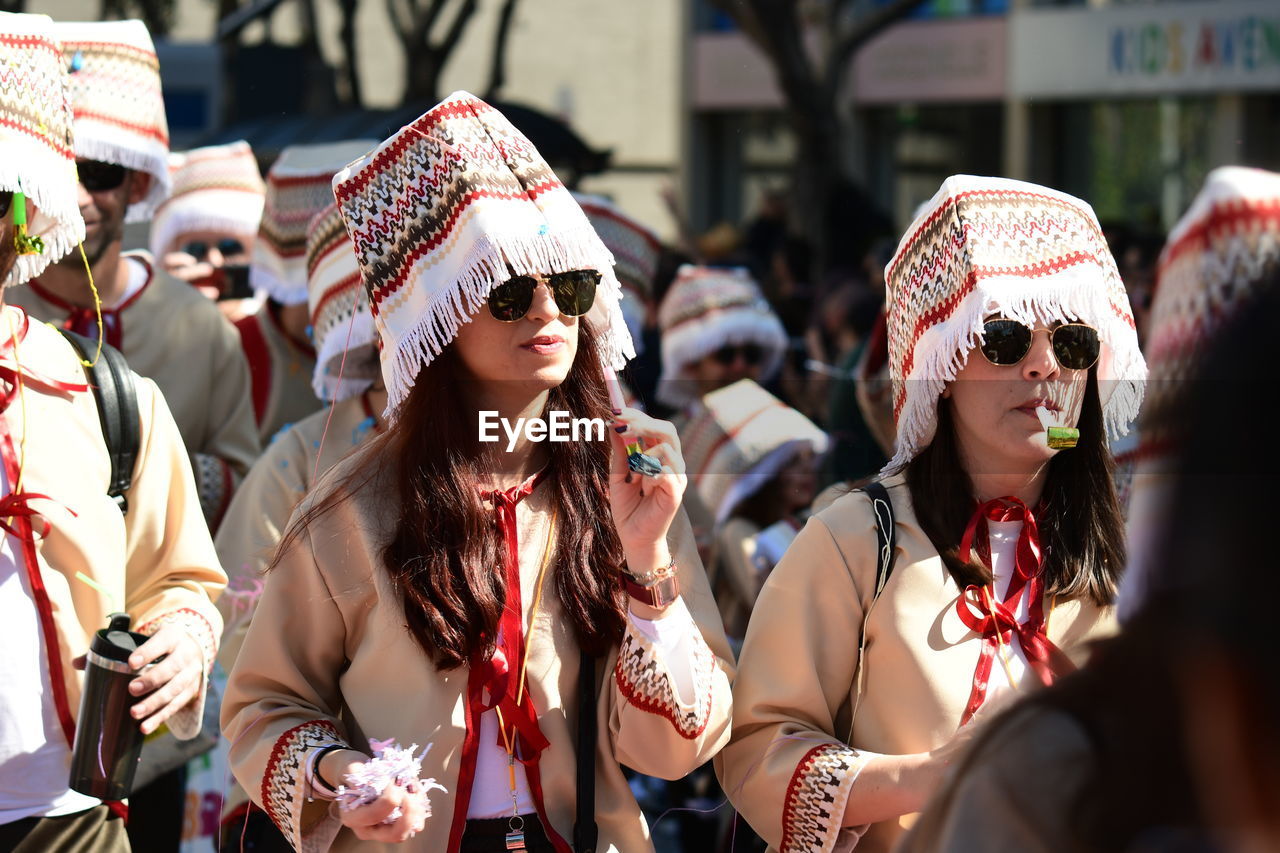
{"points": [[985, 246], [299, 186], [636, 251], [216, 188], [118, 106], [705, 309], [740, 438], [1227, 242], [341, 326], [36, 153], [447, 209], [1213, 266]]}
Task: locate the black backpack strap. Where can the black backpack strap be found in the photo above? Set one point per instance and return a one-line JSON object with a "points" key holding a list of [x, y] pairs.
{"points": [[586, 834], [886, 534], [117, 398]]}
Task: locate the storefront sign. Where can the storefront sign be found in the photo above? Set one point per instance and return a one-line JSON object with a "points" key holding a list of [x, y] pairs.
{"points": [[1148, 49]]}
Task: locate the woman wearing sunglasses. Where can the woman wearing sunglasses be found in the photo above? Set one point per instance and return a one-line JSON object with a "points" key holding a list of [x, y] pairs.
{"points": [[861, 677], [537, 617]]}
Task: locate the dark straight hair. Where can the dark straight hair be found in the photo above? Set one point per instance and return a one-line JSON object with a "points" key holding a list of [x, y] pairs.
{"points": [[446, 554], [1081, 525]]}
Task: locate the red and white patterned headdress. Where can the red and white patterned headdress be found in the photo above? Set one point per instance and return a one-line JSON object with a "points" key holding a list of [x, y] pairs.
{"points": [[705, 309], [36, 153], [1226, 242], [342, 328], [1220, 252], [443, 212], [985, 246], [215, 188], [118, 106], [740, 438], [636, 251], [299, 186]]}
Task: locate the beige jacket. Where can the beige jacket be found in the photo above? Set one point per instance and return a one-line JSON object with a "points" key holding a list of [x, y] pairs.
{"points": [[256, 520], [157, 562], [176, 337], [789, 767], [281, 373], [328, 659]]}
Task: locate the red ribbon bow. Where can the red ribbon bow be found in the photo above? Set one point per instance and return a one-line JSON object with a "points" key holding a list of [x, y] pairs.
{"points": [[995, 621], [500, 674], [11, 373]]}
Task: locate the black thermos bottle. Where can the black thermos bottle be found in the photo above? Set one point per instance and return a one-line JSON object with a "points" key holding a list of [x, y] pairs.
{"points": [[108, 741]]}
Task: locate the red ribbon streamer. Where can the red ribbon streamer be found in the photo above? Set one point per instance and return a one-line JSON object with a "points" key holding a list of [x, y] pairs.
{"points": [[995, 621]]}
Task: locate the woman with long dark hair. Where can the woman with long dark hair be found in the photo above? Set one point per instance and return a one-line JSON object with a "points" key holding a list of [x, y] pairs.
{"points": [[991, 557], [528, 608], [1168, 736]]}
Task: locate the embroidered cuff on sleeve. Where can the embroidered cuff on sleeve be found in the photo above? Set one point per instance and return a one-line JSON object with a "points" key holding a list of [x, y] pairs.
{"points": [[215, 481], [285, 786], [644, 675], [195, 624], [813, 808]]}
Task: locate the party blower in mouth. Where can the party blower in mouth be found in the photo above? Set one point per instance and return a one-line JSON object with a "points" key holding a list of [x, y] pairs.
{"points": [[1058, 437], [637, 460]]}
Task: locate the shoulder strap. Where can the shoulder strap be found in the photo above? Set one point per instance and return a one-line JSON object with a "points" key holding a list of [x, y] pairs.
{"points": [[117, 399], [886, 534], [585, 832], [886, 556]]}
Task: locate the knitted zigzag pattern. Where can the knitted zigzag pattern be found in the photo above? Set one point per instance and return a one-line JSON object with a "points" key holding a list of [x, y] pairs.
{"points": [[1225, 245], [705, 309], [118, 105], [635, 248], [341, 325], [449, 207], [986, 246], [216, 188], [299, 186], [36, 148]]}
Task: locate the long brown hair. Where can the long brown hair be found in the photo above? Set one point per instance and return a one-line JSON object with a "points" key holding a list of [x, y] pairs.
{"points": [[1081, 526], [446, 553]]}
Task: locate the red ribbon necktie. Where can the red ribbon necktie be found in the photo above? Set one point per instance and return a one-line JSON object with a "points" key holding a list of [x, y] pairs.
{"points": [[11, 371], [499, 676], [995, 621], [84, 321]]}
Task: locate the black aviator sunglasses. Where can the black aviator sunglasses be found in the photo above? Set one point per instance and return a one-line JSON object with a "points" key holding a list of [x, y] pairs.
{"points": [[574, 292], [1007, 342]]}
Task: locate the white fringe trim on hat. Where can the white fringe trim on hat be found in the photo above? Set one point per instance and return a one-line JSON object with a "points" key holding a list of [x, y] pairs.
{"points": [[696, 339], [277, 286], [230, 211], [107, 144], [332, 380], [485, 266], [1073, 294], [48, 180]]}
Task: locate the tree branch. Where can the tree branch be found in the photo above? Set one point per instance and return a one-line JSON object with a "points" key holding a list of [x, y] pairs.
{"points": [[498, 62], [427, 17], [451, 38], [400, 20], [867, 28]]}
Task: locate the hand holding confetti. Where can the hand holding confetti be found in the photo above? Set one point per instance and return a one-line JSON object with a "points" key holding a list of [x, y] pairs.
{"points": [[390, 765]]}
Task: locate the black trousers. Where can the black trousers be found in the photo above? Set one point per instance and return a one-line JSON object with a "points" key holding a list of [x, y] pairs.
{"points": [[489, 836], [96, 830]]}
